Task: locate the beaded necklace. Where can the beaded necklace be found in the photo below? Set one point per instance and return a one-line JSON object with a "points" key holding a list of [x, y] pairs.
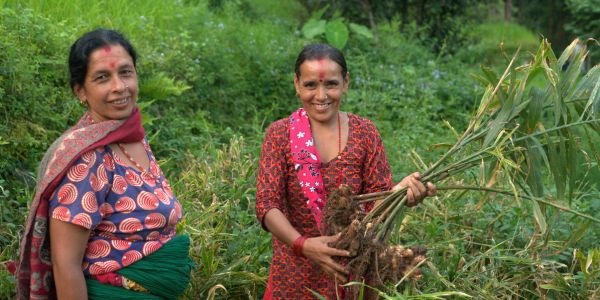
{"points": [[135, 163]]}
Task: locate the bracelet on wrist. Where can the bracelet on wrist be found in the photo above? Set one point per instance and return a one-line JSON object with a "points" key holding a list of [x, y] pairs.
{"points": [[298, 245]]}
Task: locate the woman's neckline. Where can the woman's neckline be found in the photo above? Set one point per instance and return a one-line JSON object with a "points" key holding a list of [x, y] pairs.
{"points": [[130, 167], [341, 154]]}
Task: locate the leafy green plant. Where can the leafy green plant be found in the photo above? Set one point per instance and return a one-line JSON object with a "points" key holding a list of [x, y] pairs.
{"points": [[489, 43], [336, 31], [230, 250], [498, 145]]}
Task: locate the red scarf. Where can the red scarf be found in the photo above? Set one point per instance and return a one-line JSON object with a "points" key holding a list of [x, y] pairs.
{"points": [[34, 269]]}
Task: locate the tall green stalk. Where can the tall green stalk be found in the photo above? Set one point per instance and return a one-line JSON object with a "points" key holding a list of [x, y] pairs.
{"points": [[518, 129]]}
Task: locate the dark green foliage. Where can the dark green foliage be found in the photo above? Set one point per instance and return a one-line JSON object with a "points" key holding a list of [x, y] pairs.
{"points": [[212, 71], [438, 25], [561, 21], [585, 18], [33, 111]]}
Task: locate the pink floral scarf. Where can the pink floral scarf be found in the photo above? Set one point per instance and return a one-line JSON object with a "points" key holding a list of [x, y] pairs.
{"points": [[307, 162]]}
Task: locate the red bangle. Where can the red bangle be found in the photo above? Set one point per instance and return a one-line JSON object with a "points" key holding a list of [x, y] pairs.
{"points": [[298, 245]]}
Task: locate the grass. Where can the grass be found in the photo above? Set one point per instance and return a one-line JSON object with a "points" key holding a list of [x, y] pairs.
{"points": [[237, 63], [228, 246]]}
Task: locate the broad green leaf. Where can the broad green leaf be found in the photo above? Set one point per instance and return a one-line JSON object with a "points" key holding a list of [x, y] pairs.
{"points": [[318, 14], [336, 33], [581, 258], [554, 160], [568, 79], [361, 30], [552, 287], [550, 58], [492, 79], [588, 261], [541, 148], [567, 53], [489, 74], [313, 28], [591, 81], [539, 216], [578, 234], [572, 163], [552, 96], [560, 167], [595, 153], [499, 122], [534, 174], [487, 173], [536, 105], [518, 109]]}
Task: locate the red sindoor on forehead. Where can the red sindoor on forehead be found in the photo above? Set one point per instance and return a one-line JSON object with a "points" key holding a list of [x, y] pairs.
{"points": [[321, 62], [108, 50]]}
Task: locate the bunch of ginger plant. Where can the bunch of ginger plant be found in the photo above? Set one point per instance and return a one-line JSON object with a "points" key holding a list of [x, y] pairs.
{"points": [[529, 123]]}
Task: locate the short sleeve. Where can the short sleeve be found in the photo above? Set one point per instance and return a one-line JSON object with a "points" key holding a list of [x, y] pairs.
{"points": [[79, 196], [270, 184]]}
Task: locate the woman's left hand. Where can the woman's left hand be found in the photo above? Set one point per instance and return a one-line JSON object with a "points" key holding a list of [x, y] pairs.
{"points": [[415, 191]]}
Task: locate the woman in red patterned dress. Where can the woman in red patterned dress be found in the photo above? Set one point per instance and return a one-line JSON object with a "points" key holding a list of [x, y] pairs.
{"points": [[315, 149]]}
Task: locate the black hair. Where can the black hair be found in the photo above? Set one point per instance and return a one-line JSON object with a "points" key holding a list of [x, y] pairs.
{"points": [[79, 55], [319, 51]]}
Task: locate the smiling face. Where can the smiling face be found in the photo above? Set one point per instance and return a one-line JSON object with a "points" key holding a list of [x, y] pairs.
{"points": [[110, 88], [320, 87]]}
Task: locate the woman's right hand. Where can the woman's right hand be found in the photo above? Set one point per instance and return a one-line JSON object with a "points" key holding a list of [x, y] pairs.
{"points": [[318, 250]]}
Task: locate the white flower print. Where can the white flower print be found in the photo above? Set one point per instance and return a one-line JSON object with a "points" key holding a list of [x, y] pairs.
{"points": [[312, 189], [300, 134], [309, 143]]}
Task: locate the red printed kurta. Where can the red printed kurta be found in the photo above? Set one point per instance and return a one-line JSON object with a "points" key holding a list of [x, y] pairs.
{"points": [[362, 165]]}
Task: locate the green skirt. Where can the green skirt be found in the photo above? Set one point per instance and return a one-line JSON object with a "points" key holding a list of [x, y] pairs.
{"points": [[164, 273]]}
